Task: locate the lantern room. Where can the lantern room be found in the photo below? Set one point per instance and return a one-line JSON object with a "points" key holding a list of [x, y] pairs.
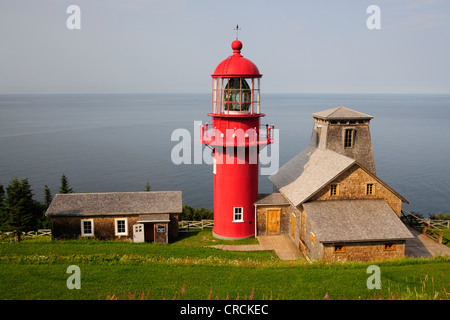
{"points": [[236, 85]]}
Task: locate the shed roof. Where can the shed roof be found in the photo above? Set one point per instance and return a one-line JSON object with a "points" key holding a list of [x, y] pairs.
{"points": [[271, 199], [82, 204], [355, 220], [341, 113]]}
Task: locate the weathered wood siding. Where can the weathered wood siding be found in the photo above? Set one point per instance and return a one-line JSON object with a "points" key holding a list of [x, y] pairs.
{"points": [[161, 237], [331, 136], [352, 185], [173, 227], [261, 213], [104, 228], [313, 248], [364, 251]]}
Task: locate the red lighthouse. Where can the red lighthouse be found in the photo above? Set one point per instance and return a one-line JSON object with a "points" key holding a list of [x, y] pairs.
{"points": [[235, 138]]}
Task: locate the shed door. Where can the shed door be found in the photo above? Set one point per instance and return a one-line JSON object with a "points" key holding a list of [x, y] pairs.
{"points": [[149, 232], [138, 232], [273, 221]]}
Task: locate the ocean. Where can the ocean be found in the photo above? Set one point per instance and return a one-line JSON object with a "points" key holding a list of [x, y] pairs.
{"points": [[119, 142]]}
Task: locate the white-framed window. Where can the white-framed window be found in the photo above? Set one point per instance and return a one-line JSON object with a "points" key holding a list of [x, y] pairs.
{"points": [[87, 227], [121, 227], [238, 214]]}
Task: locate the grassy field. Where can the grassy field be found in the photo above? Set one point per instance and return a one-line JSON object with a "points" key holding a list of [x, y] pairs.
{"points": [[188, 269], [446, 234]]}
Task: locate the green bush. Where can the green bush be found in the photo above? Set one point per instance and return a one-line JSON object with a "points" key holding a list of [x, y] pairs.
{"points": [[196, 214], [440, 216]]}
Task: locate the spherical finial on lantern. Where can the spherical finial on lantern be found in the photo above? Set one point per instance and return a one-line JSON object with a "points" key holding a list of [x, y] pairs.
{"points": [[236, 45]]}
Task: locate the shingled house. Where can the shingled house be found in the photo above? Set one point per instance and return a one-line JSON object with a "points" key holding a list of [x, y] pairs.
{"points": [[329, 199], [136, 216]]}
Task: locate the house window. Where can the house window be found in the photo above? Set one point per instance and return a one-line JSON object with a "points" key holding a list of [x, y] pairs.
{"points": [[121, 227], [389, 246], [87, 228], [339, 248], [348, 141], [238, 214], [334, 190], [370, 189]]}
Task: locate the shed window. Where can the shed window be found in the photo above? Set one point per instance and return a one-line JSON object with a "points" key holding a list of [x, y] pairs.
{"points": [[121, 227], [339, 248], [334, 190], [348, 141], [87, 228], [238, 214], [389, 246]]}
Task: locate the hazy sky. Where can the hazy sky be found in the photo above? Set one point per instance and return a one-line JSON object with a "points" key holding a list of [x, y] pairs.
{"points": [[174, 46]]}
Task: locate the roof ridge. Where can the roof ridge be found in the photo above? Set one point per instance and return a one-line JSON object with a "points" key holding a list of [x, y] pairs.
{"points": [[341, 112], [336, 110], [117, 192]]}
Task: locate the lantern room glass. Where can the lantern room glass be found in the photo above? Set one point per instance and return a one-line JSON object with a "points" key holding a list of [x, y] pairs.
{"points": [[236, 95]]}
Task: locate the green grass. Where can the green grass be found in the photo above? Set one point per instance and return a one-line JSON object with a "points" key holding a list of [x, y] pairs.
{"points": [[188, 269], [446, 234]]}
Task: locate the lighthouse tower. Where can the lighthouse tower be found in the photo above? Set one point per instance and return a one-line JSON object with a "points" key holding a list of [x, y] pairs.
{"points": [[235, 138]]}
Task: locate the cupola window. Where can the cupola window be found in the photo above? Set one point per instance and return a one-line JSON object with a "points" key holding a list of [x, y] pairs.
{"points": [[348, 140]]}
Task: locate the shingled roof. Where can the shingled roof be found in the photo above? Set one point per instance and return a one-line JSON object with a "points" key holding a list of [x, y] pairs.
{"points": [[341, 113], [308, 172], [355, 220], [83, 204], [271, 199]]}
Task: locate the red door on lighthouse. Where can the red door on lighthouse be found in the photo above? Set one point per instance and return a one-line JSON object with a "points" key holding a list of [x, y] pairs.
{"points": [[235, 138]]}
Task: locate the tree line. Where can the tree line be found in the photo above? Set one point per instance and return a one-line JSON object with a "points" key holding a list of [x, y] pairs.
{"points": [[196, 214], [19, 212]]}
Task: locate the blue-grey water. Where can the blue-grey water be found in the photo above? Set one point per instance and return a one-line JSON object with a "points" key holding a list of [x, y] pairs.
{"points": [[118, 142]]}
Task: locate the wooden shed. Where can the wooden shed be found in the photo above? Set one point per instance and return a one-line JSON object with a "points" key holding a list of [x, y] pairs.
{"points": [[136, 216]]}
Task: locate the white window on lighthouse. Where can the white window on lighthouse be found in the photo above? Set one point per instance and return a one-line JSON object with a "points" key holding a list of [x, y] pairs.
{"points": [[238, 215]]}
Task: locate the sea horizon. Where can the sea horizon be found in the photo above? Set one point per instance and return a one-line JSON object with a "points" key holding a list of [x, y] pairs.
{"points": [[121, 141]]}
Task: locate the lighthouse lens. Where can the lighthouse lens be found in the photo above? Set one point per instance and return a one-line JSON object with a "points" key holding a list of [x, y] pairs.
{"points": [[237, 95]]}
